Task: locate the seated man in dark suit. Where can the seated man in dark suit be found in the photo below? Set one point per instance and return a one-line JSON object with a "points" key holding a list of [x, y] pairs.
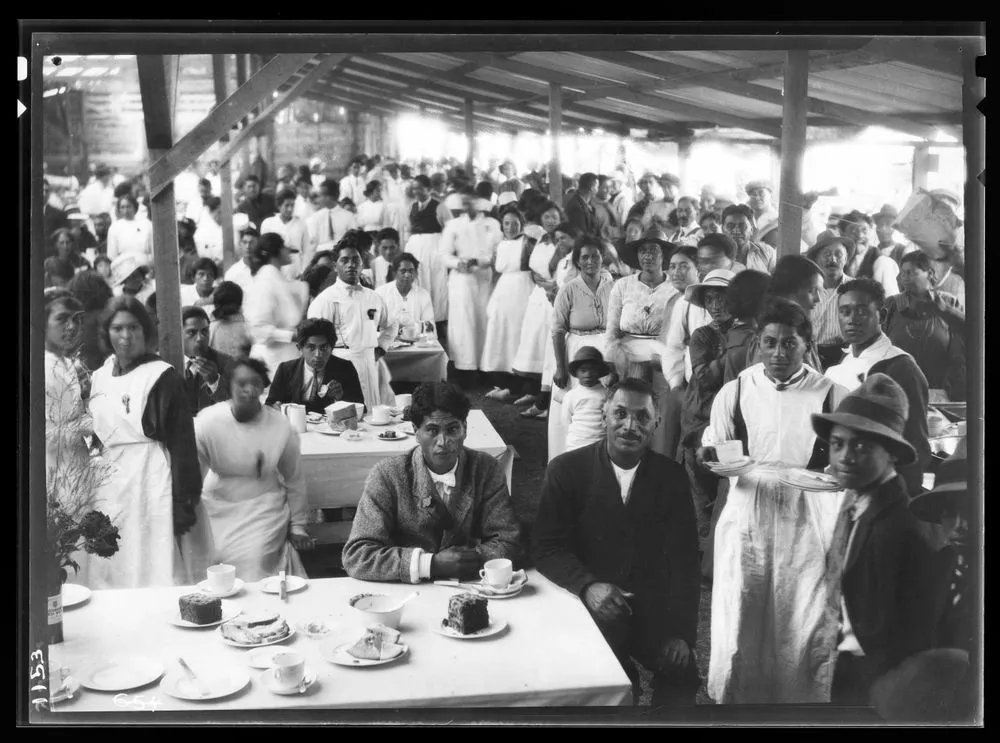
{"points": [[317, 379], [206, 371], [616, 527], [891, 584]]}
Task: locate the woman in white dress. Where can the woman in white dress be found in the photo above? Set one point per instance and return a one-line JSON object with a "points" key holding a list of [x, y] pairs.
{"points": [[143, 424], [635, 341], [273, 305], [535, 343], [506, 310], [292, 230], [775, 615], [408, 305], [254, 490], [128, 234]]}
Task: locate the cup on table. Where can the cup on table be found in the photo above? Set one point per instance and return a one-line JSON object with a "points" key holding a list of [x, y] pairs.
{"points": [[296, 415], [381, 414], [288, 669], [729, 451], [221, 578], [497, 572], [403, 401]]}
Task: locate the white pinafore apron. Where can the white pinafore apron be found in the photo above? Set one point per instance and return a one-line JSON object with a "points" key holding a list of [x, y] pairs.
{"points": [[536, 333], [138, 495]]}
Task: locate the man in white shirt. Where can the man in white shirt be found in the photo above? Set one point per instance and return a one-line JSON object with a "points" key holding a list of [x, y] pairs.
{"points": [[208, 237], [328, 225], [352, 185], [99, 196], [239, 272], [409, 306], [213, 176], [292, 230], [620, 196], [362, 323], [197, 208], [688, 232], [304, 206]]}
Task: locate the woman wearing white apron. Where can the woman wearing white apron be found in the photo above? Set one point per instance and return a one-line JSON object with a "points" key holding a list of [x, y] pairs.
{"points": [[254, 490], [468, 246], [580, 315], [425, 234], [273, 306], [535, 345], [143, 423], [507, 306], [775, 611], [637, 311]]}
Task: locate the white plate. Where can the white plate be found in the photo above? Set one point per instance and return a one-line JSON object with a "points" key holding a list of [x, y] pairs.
{"points": [[733, 470], [215, 683], [742, 461], [229, 611], [325, 430], [399, 437], [293, 583], [121, 674], [291, 633], [237, 587], [338, 654], [267, 681], [808, 480], [495, 626], [262, 657], [73, 594], [508, 593], [315, 418]]}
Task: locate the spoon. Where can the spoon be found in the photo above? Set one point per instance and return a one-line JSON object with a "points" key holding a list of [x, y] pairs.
{"points": [[405, 601]]}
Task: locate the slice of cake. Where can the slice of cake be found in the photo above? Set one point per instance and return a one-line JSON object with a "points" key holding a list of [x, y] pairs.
{"points": [[378, 643], [255, 628], [467, 613], [200, 608], [342, 414]]}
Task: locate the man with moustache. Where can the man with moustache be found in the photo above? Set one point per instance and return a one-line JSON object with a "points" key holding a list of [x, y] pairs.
{"points": [[616, 527], [688, 231], [832, 254]]}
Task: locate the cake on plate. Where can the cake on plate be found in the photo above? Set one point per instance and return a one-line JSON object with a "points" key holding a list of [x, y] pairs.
{"points": [[378, 643], [199, 608], [257, 627], [342, 415], [467, 613]]}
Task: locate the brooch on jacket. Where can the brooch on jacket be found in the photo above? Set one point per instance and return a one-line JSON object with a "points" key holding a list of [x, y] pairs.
{"points": [[324, 389], [371, 314], [125, 401]]}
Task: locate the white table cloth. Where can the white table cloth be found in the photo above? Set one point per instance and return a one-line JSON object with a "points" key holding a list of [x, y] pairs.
{"points": [[412, 362], [551, 653], [335, 469]]}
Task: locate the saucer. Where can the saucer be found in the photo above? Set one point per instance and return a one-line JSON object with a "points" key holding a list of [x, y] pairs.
{"points": [[373, 423], [237, 587], [267, 680]]}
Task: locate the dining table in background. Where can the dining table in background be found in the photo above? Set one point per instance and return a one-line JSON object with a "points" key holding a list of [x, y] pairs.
{"points": [[412, 362], [550, 654]]}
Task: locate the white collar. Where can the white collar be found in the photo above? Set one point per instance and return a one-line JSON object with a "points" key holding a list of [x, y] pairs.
{"points": [[878, 347], [448, 478]]}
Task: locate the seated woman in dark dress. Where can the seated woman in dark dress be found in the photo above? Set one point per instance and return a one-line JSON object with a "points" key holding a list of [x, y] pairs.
{"points": [[318, 378]]}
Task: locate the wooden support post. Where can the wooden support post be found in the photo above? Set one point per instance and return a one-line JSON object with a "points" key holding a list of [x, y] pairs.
{"points": [[793, 146], [225, 172], [555, 127], [921, 165], [683, 154], [470, 136], [153, 72], [356, 142]]}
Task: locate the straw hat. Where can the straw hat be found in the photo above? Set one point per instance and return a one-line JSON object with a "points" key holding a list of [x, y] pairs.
{"points": [[588, 355], [754, 185], [879, 408], [655, 234], [124, 266], [950, 491], [717, 279]]}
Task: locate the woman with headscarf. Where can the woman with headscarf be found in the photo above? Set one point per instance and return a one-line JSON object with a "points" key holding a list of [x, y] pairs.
{"points": [[508, 304], [636, 327], [774, 610], [579, 319], [273, 305], [535, 345], [128, 234], [228, 332], [929, 325], [143, 425], [254, 490]]}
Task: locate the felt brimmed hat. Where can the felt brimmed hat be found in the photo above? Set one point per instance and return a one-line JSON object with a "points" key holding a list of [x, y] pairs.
{"points": [[717, 279], [754, 185], [124, 266], [878, 408], [588, 355], [888, 211], [655, 234], [827, 240], [951, 488]]}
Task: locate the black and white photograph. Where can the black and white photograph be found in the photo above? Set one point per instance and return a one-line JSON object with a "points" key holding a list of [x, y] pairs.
{"points": [[501, 373]]}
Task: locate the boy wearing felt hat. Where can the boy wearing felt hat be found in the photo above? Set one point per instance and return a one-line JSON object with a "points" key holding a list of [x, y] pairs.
{"points": [[583, 406], [890, 581]]}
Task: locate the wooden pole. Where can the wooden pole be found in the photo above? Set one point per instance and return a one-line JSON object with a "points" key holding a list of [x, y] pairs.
{"points": [[683, 155], [225, 171], [921, 162], [974, 137], [793, 145], [153, 70], [555, 126], [470, 136]]}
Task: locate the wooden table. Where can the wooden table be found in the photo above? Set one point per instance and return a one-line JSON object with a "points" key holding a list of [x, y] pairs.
{"points": [[551, 653], [412, 362]]}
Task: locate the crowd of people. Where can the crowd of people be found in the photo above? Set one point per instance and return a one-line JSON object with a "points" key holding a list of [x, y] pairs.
{"points": [[645, 326]]}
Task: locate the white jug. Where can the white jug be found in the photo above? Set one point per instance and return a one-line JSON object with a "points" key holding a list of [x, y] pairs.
{"points": [[296, 415]]}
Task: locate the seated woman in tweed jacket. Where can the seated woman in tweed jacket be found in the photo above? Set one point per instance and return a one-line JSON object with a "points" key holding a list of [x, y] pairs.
{"points": [[439, 511]]}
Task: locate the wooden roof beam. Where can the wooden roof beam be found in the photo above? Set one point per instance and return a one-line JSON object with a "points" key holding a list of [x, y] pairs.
{"points": [[221, 120]]}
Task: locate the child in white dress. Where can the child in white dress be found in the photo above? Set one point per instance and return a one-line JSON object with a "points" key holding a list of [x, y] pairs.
{"points": [[583, 406]]}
